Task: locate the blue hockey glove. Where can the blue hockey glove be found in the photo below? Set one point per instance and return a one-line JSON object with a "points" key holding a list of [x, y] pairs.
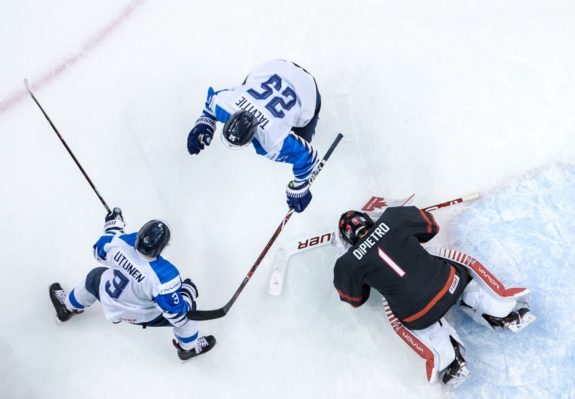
{"points": [[190, 293], [201, 134], [114, 221], [298, 195]]}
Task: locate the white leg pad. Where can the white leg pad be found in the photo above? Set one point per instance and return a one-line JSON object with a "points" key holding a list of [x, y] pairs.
{"points": [[483, 302]]}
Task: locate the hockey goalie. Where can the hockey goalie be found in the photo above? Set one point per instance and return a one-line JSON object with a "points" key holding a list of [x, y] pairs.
{"points": [[383, 250]]}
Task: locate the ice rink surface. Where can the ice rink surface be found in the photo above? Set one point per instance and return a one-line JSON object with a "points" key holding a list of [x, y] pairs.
{"points": [[437, 98]]}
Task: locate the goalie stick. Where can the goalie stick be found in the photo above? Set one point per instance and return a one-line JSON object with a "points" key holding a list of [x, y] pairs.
{"points": [[284, 254], [221, 312]]}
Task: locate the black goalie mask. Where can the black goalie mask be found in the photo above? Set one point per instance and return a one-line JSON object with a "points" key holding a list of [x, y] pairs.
{"points": [[352, 224]]}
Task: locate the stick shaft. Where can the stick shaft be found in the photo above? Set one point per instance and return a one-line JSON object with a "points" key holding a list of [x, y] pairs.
{"points": [[217, 313], [66, 146], [468, 197]]}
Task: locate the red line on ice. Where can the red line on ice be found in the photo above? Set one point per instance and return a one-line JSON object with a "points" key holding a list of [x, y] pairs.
{"points": [[14, 98]]}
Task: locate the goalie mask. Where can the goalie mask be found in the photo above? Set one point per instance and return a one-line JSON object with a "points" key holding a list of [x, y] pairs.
{"points": [[353, 225], [152, 238], [239, 130]]}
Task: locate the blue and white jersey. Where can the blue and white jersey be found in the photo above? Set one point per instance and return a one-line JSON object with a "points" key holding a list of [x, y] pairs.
{"points": [[281, 95], [134, 289]]}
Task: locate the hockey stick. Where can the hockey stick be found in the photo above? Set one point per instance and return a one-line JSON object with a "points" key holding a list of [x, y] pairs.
{"points": [[221, 312], [66, 145], [468, 197], [284, 253]]}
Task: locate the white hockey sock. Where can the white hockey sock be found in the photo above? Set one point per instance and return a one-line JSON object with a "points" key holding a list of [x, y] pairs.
{"points": [[79, 298]]}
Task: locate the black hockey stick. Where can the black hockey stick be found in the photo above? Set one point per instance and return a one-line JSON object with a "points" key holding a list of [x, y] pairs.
{"points": [[221, 312], [66, 145]]}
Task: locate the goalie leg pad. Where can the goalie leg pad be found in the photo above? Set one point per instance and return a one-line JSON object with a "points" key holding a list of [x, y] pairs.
{"points": [[433, 344], [481, 302], [480, 274], [440, 339]]}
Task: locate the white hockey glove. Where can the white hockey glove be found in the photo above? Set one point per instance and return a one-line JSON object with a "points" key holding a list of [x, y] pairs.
{"points": [[190, 293], [114, 222]]}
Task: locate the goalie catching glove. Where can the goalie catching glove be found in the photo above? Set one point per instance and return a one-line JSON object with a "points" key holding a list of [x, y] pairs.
{"points": [[298, 195], [190, 293]]}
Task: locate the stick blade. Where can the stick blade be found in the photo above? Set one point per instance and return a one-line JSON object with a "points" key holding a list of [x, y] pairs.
{"points": [[278, 273], [471, 197]]}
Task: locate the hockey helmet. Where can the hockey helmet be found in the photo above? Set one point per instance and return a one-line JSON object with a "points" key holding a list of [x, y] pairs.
{"points": [[239, 130], [152, 238], [352, 225]]}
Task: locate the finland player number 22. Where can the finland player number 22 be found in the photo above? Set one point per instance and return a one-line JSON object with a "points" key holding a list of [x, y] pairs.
{"points": [[285, 99]]}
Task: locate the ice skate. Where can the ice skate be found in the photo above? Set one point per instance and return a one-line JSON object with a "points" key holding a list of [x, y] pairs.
{"points": [[457, 371], [58, 296], [205, 344], [515, 321]]}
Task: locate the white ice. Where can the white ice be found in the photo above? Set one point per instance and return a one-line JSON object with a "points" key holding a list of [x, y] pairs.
{"points": [[437, 98]]}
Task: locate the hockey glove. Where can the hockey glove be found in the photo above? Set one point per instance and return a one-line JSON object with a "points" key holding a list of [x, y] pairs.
{"points": [[298, 195], [201, 134], [190, 293], [114, 221]]}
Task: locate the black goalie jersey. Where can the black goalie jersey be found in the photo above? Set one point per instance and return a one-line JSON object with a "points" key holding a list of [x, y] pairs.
{"points": [[418, 287]]}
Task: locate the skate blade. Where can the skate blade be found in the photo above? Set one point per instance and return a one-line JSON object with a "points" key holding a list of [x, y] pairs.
{"points": [[455, 382], [527, 319]]}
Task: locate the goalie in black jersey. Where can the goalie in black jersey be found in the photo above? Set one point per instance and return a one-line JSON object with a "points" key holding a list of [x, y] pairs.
{"points": [[384, 252]]}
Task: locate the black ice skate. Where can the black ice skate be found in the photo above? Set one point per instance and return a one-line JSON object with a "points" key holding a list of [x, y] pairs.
{"points": [[457, 371], [514, 321], [205, 344], [58, 296]]}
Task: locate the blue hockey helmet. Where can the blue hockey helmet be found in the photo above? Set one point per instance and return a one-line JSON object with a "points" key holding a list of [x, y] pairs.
{"points": [[353, 225], [239, 130], [152, 238]]}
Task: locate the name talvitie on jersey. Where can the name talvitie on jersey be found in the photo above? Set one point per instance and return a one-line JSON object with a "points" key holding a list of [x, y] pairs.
{"points": [[125, 264], [371, 240], [245, 104]]}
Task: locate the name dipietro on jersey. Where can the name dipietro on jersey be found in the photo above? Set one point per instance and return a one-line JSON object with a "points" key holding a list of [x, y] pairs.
{"points": [[419, 287]]}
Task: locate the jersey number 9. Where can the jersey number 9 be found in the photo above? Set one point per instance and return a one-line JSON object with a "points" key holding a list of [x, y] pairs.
{"points": [[119, 282]]}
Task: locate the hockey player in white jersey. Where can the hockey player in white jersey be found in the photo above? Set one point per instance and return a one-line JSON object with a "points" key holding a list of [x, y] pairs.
{"points": [[276, 110], [137, 285]]}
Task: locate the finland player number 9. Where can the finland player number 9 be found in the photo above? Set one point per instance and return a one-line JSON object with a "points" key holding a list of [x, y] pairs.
{"points": [[119, 282], [286, 100]]}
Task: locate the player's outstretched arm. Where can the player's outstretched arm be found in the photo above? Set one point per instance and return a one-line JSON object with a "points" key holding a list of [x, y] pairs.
{"points": [[304, 159], [113, 225]]}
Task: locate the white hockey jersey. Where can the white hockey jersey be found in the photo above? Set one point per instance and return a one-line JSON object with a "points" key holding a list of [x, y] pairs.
{"points": [[134, 289], [281, 95]]}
